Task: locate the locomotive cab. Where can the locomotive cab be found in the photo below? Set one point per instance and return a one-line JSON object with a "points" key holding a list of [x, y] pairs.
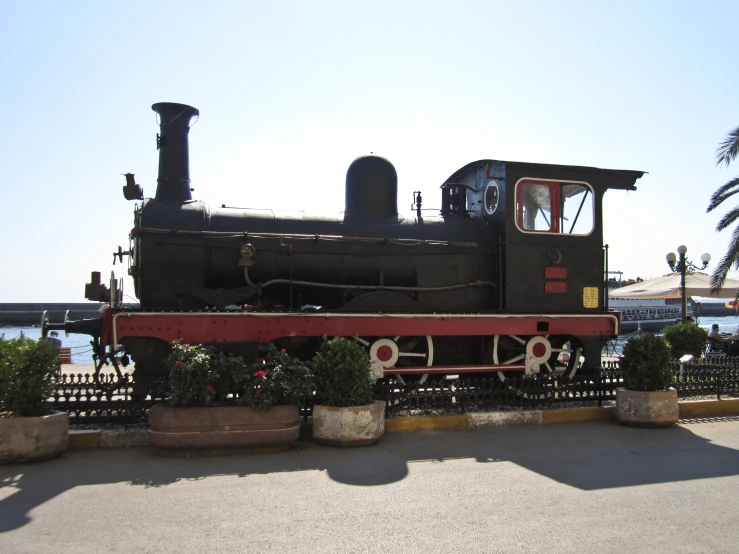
{"points": [[555, 256]]}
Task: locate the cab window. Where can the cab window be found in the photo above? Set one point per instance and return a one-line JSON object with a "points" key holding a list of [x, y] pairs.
{"points": [[544, 206]]}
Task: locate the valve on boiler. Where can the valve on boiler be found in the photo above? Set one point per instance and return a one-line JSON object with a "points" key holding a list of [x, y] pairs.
{"points": [[120, 254], [417, 202]]}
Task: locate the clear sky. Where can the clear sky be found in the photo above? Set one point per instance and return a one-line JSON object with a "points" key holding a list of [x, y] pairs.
{"points": [[291, 92]]}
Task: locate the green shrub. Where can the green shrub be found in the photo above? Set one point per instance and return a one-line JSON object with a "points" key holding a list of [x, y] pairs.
{"points": [[203, 376], [27, 372], [341, 370], [274, 378], [646, 364], [686, 338]]}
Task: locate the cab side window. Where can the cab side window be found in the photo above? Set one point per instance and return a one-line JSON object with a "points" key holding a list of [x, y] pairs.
{"points": [[544, 206]]}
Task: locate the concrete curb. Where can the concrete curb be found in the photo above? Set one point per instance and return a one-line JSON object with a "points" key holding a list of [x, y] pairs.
{"points": [[107, 438], [708, 408], [84, 440], [481, 420], [426, 423], [132, 438], [577, 415]]}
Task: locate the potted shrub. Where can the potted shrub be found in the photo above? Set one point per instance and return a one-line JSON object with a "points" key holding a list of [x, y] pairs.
{"points": [[686, 338], [218, 402], [30, 430], [648, 399], [344, 413]]}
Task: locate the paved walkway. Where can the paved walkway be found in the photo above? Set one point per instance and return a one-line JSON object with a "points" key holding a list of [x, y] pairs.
{"points": [[593, 487]]}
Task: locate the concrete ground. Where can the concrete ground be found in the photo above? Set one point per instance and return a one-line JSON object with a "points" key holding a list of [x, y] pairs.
{"points": [[591, 487]]}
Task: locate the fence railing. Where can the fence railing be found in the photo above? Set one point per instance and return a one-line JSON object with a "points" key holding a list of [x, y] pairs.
{"points": [[104, 400], [110, 401]]}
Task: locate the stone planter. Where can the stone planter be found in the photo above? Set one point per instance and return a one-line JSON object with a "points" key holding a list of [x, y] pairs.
{"points": [[647, 409], [222, 429], [350, 425], [31, 439]]}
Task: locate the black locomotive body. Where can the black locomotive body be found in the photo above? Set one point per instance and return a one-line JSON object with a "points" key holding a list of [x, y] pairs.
{"points": [[513, 244]]}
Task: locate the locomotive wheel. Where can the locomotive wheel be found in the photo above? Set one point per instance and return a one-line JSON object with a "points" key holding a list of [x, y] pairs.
{"points": [[398, 352], [566, 352], [558, 354], [508, 349]]}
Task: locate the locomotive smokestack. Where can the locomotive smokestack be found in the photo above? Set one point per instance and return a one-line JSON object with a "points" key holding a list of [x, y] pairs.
{"points": [[371, 190], [173, 184]]}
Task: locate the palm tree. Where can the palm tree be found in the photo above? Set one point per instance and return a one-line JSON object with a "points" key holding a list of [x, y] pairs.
{"points": [[725, 154]]}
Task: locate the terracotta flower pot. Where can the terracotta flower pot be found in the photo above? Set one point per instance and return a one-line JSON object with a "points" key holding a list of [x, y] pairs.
{"points": [[647, 409], [222, 429], [31, 439], [350, 425]]}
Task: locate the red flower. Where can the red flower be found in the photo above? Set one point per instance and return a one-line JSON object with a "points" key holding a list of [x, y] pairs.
{"points": [[209, 388], [283, 351], [260, 374], [187, 346], [258, 392], [179, 363]]}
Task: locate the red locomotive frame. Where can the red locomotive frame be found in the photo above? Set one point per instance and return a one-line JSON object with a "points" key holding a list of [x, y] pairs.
{"points": [[239, 327]]}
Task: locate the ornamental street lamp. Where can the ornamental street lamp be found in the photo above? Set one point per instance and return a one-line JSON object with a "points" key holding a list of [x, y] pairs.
{"points": [[683, 266]]}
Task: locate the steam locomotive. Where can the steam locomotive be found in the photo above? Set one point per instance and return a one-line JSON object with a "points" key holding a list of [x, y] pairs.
{"points": [[508, 276]]}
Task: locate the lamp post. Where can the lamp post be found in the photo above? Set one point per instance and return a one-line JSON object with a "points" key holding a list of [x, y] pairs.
{"points": [[683, 266]]}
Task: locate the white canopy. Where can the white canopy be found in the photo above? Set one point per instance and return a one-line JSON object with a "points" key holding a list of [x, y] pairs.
{"points": [[696, 284]]}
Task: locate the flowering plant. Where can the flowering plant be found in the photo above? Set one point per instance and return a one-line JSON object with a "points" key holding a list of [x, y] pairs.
{"points": [[202, 376], [193, 378], [274, 378]]}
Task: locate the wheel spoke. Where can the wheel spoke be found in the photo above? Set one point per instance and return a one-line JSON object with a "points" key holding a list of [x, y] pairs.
{"points": [[519, 340], [415, 354], [362, 341], [515, 359]]}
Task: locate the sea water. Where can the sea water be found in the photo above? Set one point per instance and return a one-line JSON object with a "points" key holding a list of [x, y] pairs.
{"points": [[82, 350], [80, 344], [727, 324]]}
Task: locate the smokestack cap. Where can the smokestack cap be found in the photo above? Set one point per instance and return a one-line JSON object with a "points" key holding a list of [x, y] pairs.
{"points": [[171, 112]]}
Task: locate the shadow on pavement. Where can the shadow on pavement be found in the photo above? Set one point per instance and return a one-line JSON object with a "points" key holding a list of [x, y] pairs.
{"points": [[586, 456]]}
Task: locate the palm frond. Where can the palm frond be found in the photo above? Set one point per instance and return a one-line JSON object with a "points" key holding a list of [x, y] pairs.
{"points": [[728, 219], [728, 149], [722, 193], [730, 259]]}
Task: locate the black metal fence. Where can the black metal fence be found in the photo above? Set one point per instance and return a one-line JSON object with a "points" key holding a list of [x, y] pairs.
{"points": [[105, 400], [496, 393], [109, 401]]}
